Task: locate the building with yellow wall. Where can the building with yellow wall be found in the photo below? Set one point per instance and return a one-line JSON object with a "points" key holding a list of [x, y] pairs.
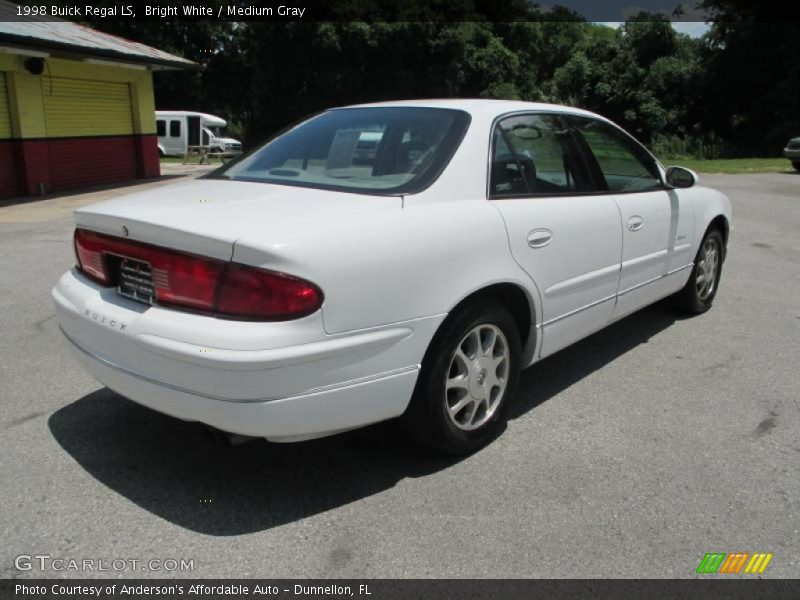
{"points": [[76, 107]]}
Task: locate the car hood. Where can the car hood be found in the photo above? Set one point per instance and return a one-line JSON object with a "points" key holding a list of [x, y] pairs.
{"points": [[207, 216]]}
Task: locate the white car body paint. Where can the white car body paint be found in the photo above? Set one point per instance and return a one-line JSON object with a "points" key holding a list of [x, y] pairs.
{"points": [[391, 269]]}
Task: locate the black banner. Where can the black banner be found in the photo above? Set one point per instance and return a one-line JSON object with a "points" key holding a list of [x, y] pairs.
{"points": [[397, 589], [392, 10]]}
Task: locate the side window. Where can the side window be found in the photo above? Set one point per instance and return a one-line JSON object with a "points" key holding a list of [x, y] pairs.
{"points": [[506, 177], [625, 166], [535, 154], [161, 128], [174, 129]]}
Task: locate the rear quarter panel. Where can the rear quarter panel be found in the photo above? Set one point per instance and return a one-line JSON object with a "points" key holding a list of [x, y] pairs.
{"points": [[391, 267]]}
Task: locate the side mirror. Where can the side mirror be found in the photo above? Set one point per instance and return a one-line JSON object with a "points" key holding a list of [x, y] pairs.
{"points": [[678, 177]]}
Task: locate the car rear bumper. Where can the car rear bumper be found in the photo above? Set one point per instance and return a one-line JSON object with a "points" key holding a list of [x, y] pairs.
{"points": [[289, 419], [241, 377], [792, 154]]}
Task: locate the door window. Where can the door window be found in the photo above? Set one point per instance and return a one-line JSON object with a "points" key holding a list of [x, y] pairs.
{"points": [[536, 155], [175, 129], [625, 166], [161, 128]]}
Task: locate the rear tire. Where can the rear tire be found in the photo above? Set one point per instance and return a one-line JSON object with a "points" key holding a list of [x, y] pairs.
{"points": [[468, 378], [698, 294]]}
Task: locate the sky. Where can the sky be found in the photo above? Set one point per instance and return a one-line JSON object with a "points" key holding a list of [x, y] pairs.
{"points": [[692, 28]]}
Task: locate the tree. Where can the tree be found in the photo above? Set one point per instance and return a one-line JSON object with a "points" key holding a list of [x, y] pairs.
{"points": [[752, 82]]}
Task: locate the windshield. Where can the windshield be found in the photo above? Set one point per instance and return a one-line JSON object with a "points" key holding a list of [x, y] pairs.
{"points": [[371, 150]]}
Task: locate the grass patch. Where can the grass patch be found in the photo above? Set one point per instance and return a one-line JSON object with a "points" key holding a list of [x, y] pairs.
{"points": [[733, 165]]}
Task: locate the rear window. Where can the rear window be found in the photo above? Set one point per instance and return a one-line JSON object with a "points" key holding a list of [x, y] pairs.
{"points": [[375, 150]]}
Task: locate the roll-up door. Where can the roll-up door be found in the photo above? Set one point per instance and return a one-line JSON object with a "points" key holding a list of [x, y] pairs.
{"points": [[90, 131], [8, 171]]}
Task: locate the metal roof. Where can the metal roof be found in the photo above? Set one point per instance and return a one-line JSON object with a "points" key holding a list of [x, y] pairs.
{"points": [[52, 34]]}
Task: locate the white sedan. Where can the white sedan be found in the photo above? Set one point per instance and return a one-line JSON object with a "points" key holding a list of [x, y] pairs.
{"points": [[386, 260]]}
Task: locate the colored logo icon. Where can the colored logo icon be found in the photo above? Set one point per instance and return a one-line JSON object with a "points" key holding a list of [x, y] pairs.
{"points": [[721, 562]]}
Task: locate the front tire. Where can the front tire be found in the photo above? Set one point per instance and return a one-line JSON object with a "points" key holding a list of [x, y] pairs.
{"points": [[698, 294], [469, 376], [796, 165]]}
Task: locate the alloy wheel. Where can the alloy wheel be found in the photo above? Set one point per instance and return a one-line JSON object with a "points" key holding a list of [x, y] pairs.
{"points": [[477, 377], [707, 269]]}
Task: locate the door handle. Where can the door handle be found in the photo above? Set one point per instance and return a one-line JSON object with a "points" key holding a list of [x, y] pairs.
{"points": [[538, 238], [635, 223]]}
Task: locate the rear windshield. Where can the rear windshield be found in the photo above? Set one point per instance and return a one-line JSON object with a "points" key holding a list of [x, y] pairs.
{"points": [[378, 150]]}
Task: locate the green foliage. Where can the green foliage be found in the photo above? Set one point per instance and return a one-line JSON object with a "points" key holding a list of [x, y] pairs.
{"points": [[742, 81], [709, 146], [752, 73]]}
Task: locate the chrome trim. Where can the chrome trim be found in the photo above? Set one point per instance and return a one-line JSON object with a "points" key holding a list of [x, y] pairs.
{"points": [[583, 279], [577, 310], [606, 299], [112, 365], [649, 281], [644, 260]]}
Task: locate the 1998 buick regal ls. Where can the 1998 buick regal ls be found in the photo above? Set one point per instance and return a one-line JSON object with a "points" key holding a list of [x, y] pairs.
{"points": [[404, 258]]}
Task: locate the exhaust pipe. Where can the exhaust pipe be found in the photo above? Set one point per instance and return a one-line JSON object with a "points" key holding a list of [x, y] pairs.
{"points": [[227, 438]]}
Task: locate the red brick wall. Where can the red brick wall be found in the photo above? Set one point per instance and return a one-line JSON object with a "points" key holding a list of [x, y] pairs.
{"points": [[147, 154], [82, 162], [8, 170], [68, 163]]}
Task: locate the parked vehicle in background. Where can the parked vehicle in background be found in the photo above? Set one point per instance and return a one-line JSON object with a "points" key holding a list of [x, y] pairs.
{"points": [[177, 130], [403, 258], [792, 152]]}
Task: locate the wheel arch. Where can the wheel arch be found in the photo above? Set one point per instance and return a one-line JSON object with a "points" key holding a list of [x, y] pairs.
{"points": [[721, 223], [712, 210], [520, 303]]}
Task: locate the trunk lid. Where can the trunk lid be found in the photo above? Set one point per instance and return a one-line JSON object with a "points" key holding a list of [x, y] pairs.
{"points": [[207, 216]]}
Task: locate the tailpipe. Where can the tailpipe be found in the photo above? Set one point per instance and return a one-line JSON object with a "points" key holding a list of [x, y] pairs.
{"points": [[228, 438]]}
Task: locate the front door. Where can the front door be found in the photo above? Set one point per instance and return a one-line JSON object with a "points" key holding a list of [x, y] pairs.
{"points": [[567, 238], [653, 218]]}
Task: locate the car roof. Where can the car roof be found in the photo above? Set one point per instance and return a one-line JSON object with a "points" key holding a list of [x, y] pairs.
{"points": [[481, 106]]}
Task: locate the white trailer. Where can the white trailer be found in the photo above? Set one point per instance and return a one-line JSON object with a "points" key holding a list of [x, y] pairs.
{"points": [[178, 130]]}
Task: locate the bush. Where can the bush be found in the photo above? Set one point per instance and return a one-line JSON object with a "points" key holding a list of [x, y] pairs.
{"points": [[674, 146]]}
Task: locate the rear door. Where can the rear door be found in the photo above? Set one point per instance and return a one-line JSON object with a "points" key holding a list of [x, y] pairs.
{"points": [[653, 217], [563, 234]]}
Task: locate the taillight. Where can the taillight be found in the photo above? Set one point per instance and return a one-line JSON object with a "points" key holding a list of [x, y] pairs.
{"points": [[184, 280], [255, 293], [89, 252], [200, 283]]}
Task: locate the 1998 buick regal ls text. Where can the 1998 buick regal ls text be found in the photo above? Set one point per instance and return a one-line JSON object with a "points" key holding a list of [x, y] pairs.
{"points": [[377, 261]]}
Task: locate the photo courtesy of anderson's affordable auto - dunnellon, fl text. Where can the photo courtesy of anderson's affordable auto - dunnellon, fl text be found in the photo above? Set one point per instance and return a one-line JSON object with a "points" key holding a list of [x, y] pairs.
{"points": [[399, 299]]}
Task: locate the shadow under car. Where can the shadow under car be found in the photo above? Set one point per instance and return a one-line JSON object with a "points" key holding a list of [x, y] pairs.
{"points": [[172, 469]]}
